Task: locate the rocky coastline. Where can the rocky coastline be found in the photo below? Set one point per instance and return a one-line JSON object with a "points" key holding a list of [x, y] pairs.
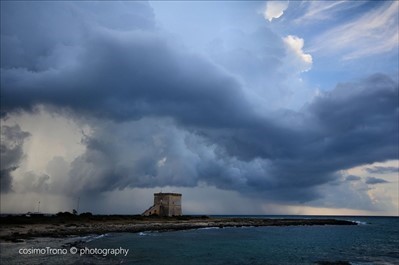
{"points": [[19, 228]]}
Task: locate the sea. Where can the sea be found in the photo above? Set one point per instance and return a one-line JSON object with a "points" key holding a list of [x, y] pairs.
{"points": [[375, 240]]}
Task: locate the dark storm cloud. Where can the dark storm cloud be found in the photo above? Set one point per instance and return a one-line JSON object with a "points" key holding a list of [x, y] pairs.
{"points": [[276, 162], [354, 124], [32, 182], [373, 180], [128, 77], [382, 170], [187, 119], [144, 153], [357, 122], [36, 35], [12, 140], [124, 75], [352, 178]]}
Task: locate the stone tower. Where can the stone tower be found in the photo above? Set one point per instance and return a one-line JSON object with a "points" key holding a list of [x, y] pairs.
{"points": [[165, 204]]}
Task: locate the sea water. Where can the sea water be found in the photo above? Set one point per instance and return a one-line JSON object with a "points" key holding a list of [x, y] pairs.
{"points": [[375, 240]]}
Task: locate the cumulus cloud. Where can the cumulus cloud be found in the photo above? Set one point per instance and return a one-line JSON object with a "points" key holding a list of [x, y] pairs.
{"points": [[275, 9], [294, 45], [12, 140], [373, 180]]}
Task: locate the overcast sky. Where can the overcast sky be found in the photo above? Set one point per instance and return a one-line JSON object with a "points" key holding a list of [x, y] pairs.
{"points": [[243, 107]]}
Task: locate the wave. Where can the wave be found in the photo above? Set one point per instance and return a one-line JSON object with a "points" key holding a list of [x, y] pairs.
{"points": [[357, 222], [90, 238], [208, 228], [148, 233]]}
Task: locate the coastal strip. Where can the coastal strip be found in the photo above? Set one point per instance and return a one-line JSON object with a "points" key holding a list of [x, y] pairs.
{"points": [[18, 228]]}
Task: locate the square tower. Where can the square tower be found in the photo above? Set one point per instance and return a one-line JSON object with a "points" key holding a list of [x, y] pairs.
{"points": [[165, 204]]}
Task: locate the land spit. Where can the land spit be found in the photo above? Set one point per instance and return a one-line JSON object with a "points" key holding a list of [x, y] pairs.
{"points": [[18, 228]]}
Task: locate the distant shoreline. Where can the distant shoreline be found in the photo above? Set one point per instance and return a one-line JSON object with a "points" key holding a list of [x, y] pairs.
{"points": [[19, 228]]}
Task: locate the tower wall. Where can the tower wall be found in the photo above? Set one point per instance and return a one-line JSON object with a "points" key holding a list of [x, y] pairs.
{"points": [[166, 204]]}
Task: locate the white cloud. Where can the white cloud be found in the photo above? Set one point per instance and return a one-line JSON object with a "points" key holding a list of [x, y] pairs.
{"points": [[275, 9], [294, 45], [321, 10], [161, 162], [373, 33]]}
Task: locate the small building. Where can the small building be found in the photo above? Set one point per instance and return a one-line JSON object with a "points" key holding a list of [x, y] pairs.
{"points": [[165, 204]]}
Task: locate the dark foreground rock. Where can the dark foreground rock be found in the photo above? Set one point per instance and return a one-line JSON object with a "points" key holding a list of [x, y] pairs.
{"points": [[17, 228]]}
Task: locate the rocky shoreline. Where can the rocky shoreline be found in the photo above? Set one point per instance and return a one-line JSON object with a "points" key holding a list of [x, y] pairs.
{"points": [[19, 228]]}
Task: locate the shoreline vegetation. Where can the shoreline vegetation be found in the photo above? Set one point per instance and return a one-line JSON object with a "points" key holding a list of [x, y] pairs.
{"points": [[16, 228]]}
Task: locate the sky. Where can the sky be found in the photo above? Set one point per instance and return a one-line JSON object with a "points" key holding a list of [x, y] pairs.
{"points": [[279, 107]]}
